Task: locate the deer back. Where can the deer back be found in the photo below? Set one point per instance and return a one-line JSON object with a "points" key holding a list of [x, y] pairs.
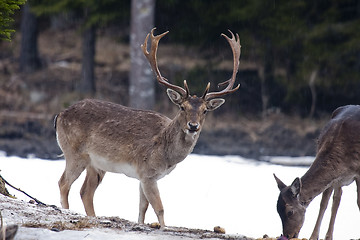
{"points": [[338, 147], [110, 130]]}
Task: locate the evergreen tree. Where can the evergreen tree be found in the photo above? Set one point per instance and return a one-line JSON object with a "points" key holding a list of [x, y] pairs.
{"points": [[7, 9]]}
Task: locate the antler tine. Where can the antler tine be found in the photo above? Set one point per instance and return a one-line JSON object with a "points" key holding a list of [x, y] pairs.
{"points": [[151, 57], [236, 49]]}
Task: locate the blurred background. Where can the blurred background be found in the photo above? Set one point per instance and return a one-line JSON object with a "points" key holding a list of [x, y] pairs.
{"points": [[300, 60]]}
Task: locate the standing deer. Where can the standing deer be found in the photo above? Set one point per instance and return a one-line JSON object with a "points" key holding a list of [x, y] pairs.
{"points": [[337, 164], [105, 137]]}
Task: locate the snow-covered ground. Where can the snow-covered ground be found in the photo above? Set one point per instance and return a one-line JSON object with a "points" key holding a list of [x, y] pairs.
{"points": [[202, 192]]}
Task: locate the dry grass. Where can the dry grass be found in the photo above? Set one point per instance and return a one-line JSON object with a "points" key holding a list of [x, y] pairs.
{"points": [[65, 225]]}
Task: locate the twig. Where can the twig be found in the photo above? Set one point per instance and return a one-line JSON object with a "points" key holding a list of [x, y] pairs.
{"points": [[18, 189]]}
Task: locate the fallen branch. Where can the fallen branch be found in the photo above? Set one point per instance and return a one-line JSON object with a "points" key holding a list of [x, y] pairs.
{"points": [[18, 189]]}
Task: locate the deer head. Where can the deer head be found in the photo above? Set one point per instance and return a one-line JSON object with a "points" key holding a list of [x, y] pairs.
{"points": [[289, 207], [192, 108]]}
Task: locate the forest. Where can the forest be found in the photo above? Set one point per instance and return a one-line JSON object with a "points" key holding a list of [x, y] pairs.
{"points": [[298, 58]]}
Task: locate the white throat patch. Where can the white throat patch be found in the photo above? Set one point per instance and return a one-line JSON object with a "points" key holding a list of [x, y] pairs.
{"points": [[190, 134]]}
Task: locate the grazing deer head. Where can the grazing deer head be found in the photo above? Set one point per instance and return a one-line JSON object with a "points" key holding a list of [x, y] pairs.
{"points": [[337, 164], [101, 136], [290, 209]]}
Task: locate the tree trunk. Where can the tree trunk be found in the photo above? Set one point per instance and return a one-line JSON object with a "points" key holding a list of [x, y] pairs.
{"points": [[29, 56], [267, 77], [87, 81], [313, 92], [142, 84]]}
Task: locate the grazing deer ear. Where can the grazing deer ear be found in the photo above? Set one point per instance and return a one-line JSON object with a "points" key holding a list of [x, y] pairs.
{"points": [[213, 104], [174, 96], [280, 184], [296, 187]]}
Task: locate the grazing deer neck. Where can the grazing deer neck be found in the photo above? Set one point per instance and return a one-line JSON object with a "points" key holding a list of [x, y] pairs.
{"points": [[313, 182], [322, 174]]}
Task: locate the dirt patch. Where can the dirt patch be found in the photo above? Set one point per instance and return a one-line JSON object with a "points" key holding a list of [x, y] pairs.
{"points": [[24, 134], [277, 135]]}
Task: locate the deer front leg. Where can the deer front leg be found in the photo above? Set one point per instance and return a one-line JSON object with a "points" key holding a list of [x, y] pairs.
{"points": [[152, 194], [335, 206], [143, 205], [323, 205]]}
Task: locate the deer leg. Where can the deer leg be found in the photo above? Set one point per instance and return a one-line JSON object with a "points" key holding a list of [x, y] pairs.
{"points": [[143, 206], [71, 173], [323, 205], [152, 194], [335, 206], [92, 180], [358, 191]]}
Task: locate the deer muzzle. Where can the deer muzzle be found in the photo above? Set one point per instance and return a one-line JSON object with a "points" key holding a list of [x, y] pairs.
{"points": [[193, 127]]}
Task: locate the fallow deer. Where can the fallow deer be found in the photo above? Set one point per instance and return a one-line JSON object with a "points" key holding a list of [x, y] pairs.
{"points": [[105, 137], [337, 164]]}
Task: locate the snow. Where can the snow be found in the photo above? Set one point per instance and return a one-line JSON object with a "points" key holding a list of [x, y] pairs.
{"points": [[202, 192], [89, 234]]}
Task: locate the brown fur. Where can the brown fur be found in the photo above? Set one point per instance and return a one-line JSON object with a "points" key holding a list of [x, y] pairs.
{"points": [[337, 164]]}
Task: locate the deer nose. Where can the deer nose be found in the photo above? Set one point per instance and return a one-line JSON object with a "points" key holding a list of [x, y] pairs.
{"points": [[193, 126]]}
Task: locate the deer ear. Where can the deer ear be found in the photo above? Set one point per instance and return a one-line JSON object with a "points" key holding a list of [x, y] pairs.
{"points": [[280, 184], [295, 187], [214, 104], [174, 96]]}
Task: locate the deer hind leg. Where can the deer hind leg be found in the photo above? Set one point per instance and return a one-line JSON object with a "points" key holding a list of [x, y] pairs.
{"points": [[143, 206], [323, 205], [92, 180], [72, 171], [152, 195], [335, 206], [358, 191]]}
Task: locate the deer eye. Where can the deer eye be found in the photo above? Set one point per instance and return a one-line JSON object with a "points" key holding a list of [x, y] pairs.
{"points": [[205, 111], [182, 108]]}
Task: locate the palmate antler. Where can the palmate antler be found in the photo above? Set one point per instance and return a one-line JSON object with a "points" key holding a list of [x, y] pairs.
{"points": [[151, 56], [236, 49], [153, 62]]}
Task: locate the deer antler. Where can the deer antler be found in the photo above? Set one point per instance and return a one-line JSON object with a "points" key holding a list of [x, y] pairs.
{"points": [[153, 62], [236, 49]]}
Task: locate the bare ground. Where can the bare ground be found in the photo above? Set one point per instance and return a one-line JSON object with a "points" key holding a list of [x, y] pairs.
{"points": [[36, 221]]}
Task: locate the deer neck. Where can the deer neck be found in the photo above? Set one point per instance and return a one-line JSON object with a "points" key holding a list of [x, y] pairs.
{"points": [[177, 143], [320, 176]]}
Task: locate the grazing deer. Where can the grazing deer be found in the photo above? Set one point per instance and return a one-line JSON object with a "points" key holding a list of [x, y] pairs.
{"points": [[337, 164], [105, 137]]}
